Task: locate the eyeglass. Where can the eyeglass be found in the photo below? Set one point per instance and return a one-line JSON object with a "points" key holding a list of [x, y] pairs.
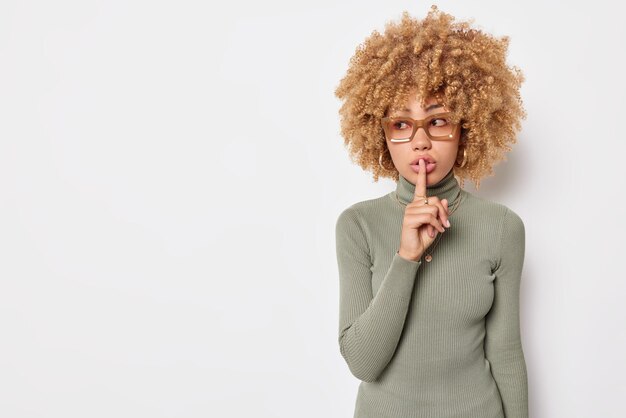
{"points": [[403, 128]]}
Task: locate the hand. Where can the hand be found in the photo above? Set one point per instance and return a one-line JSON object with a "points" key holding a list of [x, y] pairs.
{"points": [[422, 222]]}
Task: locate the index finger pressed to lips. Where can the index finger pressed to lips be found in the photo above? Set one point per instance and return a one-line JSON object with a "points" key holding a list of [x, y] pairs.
{"points": [[420, 186]]}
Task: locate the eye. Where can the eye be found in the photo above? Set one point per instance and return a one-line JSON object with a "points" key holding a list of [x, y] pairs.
{"points": [[400, 125], [439, 122]]}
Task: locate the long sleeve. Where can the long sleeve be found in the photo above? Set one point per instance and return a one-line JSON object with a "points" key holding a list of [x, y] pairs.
{"points": [[369, 326], [503, 346]]}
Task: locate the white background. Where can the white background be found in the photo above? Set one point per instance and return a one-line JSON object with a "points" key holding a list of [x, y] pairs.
{"points": [[170, 177]]}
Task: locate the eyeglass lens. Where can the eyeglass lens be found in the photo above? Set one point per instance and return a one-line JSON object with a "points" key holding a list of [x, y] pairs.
{"points": [[438, 127]]}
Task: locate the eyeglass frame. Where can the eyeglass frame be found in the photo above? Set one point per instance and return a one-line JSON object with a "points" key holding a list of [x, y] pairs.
{"points": [[419, 123]]}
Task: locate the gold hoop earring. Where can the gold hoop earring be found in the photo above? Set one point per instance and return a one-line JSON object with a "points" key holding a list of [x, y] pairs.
{"points": [[462, 164], [380, 162]]}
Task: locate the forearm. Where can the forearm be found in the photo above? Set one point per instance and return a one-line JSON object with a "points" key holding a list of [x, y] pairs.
{"points": [[509, 371], [369, 342]]}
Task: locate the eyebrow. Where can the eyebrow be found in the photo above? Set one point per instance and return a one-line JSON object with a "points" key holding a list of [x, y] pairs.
{"points": [[432, 106]]}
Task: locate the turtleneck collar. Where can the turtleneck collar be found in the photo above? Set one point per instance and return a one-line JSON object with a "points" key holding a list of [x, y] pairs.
{"points": [[447, 188]]}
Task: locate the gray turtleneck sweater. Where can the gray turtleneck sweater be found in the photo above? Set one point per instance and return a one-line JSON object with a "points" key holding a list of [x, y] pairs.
{"points": [[438, 339]]}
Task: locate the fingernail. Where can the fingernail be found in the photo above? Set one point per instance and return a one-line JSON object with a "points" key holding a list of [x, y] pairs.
{"points": [[448, 223]]}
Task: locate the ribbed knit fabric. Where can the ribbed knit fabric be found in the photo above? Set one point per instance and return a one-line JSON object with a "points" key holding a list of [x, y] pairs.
{"points": [[437, 339]]}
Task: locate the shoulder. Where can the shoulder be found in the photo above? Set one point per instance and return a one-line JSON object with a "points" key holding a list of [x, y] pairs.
{"points": [[365, 209], [348, 218], [358, 218], [489, 207], [507, 219]]}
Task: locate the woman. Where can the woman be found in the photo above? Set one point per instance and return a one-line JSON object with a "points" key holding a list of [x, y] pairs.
{"points": [[430, 273]]}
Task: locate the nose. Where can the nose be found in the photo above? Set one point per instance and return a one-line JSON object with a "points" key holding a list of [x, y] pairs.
{"points": [[420, 139]]}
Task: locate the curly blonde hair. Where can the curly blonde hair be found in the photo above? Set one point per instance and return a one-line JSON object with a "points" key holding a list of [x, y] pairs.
{"points": [[435, 56]]}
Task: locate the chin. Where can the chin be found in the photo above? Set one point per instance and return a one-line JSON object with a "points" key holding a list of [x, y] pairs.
{"points": [[433, 177]]}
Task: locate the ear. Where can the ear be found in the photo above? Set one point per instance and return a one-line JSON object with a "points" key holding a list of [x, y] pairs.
{"points": [[463, 137]]}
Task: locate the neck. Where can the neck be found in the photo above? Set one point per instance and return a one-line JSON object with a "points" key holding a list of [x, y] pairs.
{"points": [[446, 188]]}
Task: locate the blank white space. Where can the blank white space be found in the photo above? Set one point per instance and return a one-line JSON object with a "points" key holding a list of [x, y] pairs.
{"points": [[170, 177]]}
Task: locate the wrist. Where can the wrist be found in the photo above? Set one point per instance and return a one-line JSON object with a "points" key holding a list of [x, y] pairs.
{"points": [[408, 257]]}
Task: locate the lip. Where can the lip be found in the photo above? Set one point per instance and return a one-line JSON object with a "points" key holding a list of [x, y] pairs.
{"points": [[424, 157], [430, 163], [429, 167]]}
